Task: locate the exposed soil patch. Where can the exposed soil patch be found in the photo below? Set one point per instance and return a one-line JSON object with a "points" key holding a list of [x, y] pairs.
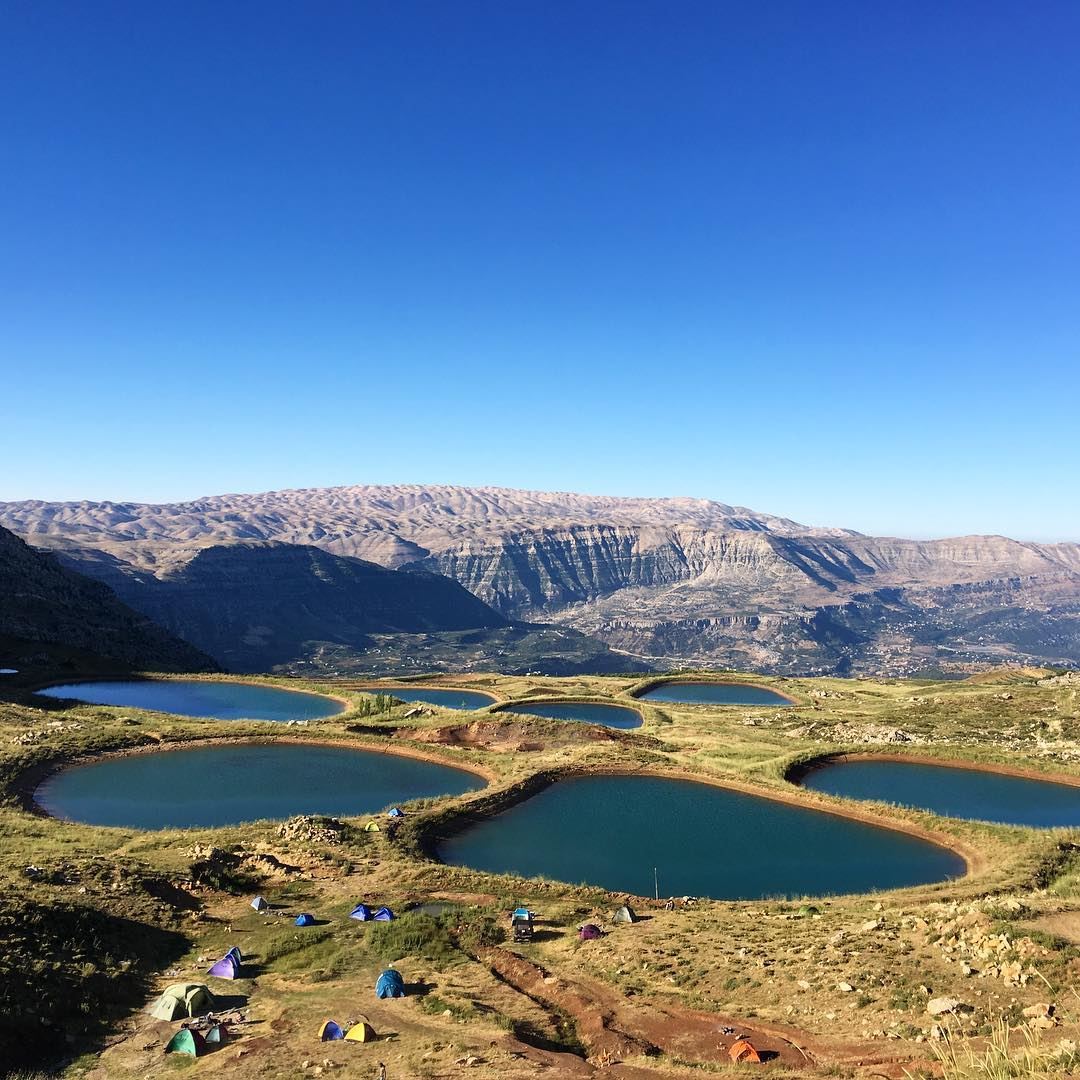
{"points": [[506, 735], [613, 1028]]}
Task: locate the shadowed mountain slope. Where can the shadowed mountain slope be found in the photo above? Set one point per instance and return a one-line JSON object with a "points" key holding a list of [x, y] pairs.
{"points": [[44, 603], [262, 606]]}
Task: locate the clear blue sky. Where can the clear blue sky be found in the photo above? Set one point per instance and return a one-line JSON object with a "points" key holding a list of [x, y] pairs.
{"points": [[821, 259]]}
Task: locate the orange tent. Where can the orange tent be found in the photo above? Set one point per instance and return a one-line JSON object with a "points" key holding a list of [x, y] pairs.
{"points": [[743, 1050]]}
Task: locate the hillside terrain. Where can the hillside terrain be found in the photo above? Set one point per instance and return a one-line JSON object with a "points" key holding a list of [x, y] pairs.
{"points": [[48, 611], [666, 581]]}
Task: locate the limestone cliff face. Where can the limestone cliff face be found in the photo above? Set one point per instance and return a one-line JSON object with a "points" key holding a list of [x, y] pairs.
{"points": [[552, 568]]}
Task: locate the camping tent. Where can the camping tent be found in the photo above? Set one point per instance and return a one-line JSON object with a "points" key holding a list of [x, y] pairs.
{"points": [[390, 984], [362, 1032], [384, 914], [395, 812], [305, 919], [331, 1031], [217, 1035], [361, 913], [259, 904], [744, 1050], [372, 826], [186, 1041], [624, 914], [234, 952], [182, 1000], [590, 932], [228, 967]]}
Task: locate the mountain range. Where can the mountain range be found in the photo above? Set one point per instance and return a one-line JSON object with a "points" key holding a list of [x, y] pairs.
{"points": [[665, 582]]}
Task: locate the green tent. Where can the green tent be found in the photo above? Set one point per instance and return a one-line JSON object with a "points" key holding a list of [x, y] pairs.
{"points": [[186, 1041], [182, 1000]]}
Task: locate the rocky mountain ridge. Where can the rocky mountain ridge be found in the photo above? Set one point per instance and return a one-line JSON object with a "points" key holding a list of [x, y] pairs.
{"points": [[668, 581]]}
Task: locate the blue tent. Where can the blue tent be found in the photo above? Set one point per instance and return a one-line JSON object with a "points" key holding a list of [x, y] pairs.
{"points": [[361, 913], [395, 812], [384, 914], [259, 904], [234, 952], [305, 919], [331, 1031], [390, 984]]}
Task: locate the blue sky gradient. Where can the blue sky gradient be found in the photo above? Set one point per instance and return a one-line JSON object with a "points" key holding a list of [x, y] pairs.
{"points": [[820, 259]]}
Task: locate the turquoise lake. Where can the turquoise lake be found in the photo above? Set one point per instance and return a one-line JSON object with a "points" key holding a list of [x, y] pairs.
{"points": [[714, 693], [587, 712], [225, 785], [952, 792], [704, 841], [448, 699], [210, 700]]}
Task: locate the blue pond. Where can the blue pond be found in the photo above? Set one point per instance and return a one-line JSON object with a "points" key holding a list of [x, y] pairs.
{"points": [[714, 693], [192, 697], [224, 785], [448, 699], [588, 712], [704, 841], [952, 792]]}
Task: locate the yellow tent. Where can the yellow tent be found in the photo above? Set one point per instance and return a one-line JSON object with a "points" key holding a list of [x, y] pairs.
{"points": [[372, 826], [361, 1032]]}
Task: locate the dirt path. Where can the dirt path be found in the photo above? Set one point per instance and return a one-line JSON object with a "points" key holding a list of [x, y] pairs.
{"points": [[613, 1028]]}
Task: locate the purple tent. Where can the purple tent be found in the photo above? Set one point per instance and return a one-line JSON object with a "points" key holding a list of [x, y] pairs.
{"points": [[384, 914], [234, 952], [361, 913], [228, 967], [590, 932]]}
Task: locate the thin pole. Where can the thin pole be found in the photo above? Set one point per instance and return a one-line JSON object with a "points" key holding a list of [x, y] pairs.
{"points": [[656, 883]]}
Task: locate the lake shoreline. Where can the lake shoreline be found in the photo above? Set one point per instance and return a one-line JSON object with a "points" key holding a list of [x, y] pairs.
{"points": [[458, 819], [25, 786]]}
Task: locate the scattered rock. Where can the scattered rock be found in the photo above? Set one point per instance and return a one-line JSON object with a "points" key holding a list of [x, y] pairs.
{"points": [[941, 1005], [844, 987], [1041, 1009]]}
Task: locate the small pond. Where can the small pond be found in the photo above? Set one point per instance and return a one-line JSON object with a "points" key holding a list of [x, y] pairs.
{"points": [[951, 791], [704, 841], [426, 695], [714, 693], [225, 785], [587, 712], [196, 697]]}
